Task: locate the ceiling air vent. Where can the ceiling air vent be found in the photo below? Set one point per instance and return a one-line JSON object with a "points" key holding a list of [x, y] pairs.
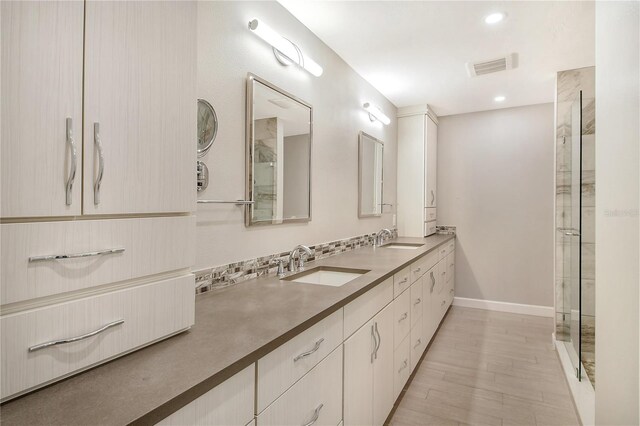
{"points": [[494, 65]]}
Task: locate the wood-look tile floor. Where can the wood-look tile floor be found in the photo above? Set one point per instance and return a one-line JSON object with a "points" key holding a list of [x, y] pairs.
{"points": [[488, 368]]}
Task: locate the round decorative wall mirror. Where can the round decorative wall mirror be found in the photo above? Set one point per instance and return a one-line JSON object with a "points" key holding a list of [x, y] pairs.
{"points": [[207, 126]]}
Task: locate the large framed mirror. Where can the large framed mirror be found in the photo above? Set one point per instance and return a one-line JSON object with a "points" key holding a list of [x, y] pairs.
{"points": [[278, 154], [370, 175]]}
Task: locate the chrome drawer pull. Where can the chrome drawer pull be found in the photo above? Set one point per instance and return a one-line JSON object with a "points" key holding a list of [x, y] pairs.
{"points": [[417, 302], [403, 317], [418, 270], [75, 339], [417, 343], [316, 414], [236, 202], [405, 364], [403, 281], [75, 255], [443, 302], [98, 142], [306, 354], [74, 161]]}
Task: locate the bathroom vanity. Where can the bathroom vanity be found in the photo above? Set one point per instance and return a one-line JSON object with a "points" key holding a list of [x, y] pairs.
{"points": [[275, 351]]}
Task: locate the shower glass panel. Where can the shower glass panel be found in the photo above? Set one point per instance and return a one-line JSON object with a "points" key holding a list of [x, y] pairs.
{"points": [[572, 255]]}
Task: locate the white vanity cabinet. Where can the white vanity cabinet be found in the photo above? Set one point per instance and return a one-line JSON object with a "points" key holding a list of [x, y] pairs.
{"points": [[229, 404], [417, 186]]}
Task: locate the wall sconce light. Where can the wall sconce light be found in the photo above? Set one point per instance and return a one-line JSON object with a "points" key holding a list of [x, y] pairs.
{"points": [[376, 114], [285, 50]]}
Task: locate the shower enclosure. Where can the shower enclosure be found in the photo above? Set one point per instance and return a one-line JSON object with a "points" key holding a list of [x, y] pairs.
{"points": [[575, 220]]}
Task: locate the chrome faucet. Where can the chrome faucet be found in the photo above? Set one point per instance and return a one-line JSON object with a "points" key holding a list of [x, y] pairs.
{"points": [[299, 249], [380, 237]]}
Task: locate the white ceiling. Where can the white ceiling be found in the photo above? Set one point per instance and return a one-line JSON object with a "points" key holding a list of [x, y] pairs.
{"points": [[414, 52]]}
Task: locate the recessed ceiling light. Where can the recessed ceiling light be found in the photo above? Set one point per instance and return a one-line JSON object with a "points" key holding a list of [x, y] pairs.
{"points": [[494, 18], [499, 98]]}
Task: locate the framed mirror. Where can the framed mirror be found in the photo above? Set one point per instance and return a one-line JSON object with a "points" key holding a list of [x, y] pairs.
{"points": [[207, 126], [370, 175], [278, 155]]}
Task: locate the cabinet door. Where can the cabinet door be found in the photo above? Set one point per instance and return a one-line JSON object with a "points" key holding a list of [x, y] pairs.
{"points": [[41, 87], [358, 376], [431, 160], [428, 292], [140, 79], [383, 397]]}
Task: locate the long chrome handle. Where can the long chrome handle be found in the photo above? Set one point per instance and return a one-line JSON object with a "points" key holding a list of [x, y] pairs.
{"points": [[433, 282], [75, 255], [237, 202], [75, 339], [98, 143], [417, 302], [433, 197], [74, 161], [403, 317], [405, 364], [572, 234], [316, 415], [379, 340], [309, 352], [375, 344], [418, 343]]}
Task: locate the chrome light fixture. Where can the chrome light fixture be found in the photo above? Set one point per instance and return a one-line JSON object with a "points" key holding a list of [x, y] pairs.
{"points": [[285, 50], [376, 114]]}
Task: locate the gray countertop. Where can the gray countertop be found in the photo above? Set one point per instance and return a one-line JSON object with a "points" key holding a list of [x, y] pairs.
{"points": [[234, 327]]}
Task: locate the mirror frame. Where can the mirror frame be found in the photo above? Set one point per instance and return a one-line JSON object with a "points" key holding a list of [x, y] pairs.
{"points": [[251, 78], [362, 134]]}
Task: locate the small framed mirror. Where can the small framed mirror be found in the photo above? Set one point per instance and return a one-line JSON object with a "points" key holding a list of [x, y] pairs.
{"points": [[207, 126], [278, 155], [370, 175]]}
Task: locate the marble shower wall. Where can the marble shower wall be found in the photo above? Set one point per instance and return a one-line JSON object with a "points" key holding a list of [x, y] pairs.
{"points": [[569, 84]]}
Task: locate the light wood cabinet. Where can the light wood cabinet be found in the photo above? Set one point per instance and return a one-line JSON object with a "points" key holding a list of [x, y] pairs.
{"points": [[417, 186], [41, 86], [229, 404]]}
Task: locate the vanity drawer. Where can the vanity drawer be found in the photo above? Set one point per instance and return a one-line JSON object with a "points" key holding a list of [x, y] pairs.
{"points": [[441, 279], [429, 214], [143, 246], [416, 302], [401, 366], [429, 228], [127, 319], [401, 281], [361, 310], [418, 344], [451, 265], [318, 395], [418, 268], [401, 317], [442, 251], [281, 368], [451, 246]]}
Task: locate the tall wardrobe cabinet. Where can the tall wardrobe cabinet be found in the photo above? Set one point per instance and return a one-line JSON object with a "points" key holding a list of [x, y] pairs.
{"points": [[97, 185], [417, 154]]}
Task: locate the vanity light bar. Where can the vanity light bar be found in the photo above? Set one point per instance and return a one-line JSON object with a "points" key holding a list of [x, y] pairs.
{"points": [[284, 47], [376, 113]]}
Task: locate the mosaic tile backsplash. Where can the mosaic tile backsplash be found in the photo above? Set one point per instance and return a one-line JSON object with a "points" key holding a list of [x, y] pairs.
{"points": [[233, 273]]}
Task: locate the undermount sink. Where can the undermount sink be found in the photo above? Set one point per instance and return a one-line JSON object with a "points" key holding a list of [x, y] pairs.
{"points": [[403, 246], [326, 275]]}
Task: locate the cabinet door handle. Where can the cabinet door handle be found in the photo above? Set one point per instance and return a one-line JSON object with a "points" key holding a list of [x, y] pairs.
{"points": [[316, 415], [309, 352], [403, 317], [375, 344], [75, 339], [403, 281], [74, 161], [417, 343], [433, 197], [451, 291], [405, 364], [379, 339], [418, 270], [417, 302], [443, 302], [433, 282], [98, 143], [444, 273], [75, 255]]}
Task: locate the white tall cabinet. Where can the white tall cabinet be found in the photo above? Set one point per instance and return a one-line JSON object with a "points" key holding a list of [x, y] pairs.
{"points": [[417, 171], [98, 190]]}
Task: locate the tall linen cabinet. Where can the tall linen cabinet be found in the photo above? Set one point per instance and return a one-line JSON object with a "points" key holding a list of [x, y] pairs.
{"points": [[417, 171], [97, 184]]}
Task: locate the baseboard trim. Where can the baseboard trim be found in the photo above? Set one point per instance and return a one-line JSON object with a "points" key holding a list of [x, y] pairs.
{"points": [[582, 392], [515, 308]]}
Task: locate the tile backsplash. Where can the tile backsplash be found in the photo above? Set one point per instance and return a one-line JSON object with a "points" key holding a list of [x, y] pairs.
{"points": [[233, 273]]}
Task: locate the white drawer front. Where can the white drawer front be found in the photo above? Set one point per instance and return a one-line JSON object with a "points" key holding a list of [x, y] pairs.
{"points": [[451, 265], [451, 246], [318, 393], [401, 281], [281, 368], [418, 344], [442, 251], [418, 268], [401, 366], [361, 310], [442, 275], [149, 312], [429, 214], [401, 317], [151, 246], [229, 403], [429, 228], [416, 302]]}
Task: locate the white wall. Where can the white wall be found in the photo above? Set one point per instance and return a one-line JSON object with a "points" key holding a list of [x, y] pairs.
{"points": [[227, 51], [495, 184], [617, 220]]}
